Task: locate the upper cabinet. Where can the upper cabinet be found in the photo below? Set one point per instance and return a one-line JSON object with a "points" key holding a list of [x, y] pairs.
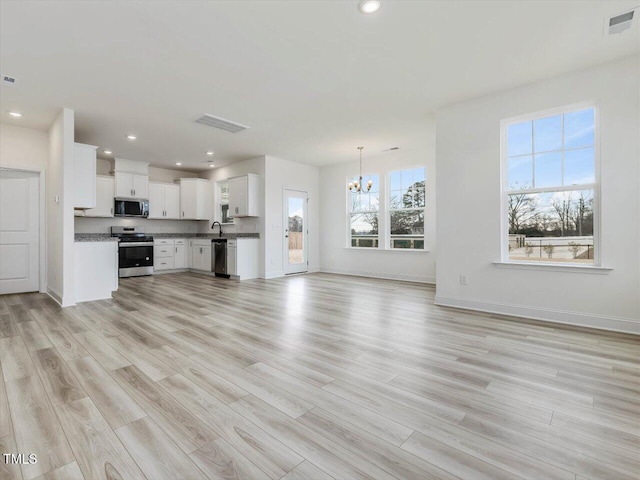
{"points": [[196, 199], [164, 200], [132, 179], [84, 176], [104, 198], [244, 194], [132, 185]]}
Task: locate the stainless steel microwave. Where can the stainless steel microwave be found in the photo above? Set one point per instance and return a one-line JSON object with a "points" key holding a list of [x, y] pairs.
{"points": [[131, 207]]}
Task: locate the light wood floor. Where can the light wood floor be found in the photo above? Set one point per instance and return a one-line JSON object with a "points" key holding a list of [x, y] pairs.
{"points": [[185, 376]]}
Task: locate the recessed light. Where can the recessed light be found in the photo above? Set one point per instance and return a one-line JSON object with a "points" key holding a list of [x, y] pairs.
{"points": [[211, 165], [108, 152], [369, 6], [209, 153], [131, 137], [15, 114], [178, 163]]}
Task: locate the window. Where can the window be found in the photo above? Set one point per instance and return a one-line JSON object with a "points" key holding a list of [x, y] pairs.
{"points": [[364, 214], [406, 208], [223, 203], [550, 188]]}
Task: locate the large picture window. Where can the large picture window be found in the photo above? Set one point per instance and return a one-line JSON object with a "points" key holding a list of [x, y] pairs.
{"points": [[550, 187], [406, 208], [364, 214]]}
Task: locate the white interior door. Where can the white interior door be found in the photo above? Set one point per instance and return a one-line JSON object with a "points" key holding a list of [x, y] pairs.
{"points": [[19, 231], [295, 231]]}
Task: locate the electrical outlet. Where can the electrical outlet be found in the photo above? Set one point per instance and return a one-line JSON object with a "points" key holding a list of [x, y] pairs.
{"points": [[464, 280]]}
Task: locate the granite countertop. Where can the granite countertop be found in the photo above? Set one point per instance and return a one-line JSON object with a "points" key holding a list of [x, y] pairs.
{"points": [[106, 237], [95, 237], [204, 235]]}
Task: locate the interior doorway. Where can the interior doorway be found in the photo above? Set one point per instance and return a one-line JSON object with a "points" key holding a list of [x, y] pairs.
{"points": [[19, 231]]}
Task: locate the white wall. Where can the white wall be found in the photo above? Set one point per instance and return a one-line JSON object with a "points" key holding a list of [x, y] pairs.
{"points": [[280, 175], [468, 195], [103, 225], [60, 227], [23, 147], [240, 225], [404, 265]]}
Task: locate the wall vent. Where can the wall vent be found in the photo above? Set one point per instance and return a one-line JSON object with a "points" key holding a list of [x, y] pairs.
{"points": [[8, 81], [619, 23], [221, 123]]}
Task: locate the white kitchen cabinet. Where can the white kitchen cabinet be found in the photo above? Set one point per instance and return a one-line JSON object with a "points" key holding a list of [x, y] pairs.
{"points": [[131, 185], [104, 198], [164, 200], [196, 199], [169, 254], [181, 257], [84, 176], [242, 258], [244, 194], [201, 255]]}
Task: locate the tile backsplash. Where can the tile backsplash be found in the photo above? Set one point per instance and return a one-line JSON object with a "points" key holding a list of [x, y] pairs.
{"points": [[103, 225]]}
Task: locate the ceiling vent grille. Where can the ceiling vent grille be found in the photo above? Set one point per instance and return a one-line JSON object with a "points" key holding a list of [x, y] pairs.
{"points": [[619, 23], [221, 123]]}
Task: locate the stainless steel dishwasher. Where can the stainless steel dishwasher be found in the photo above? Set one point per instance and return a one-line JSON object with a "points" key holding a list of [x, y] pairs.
{"points": [[219, 257]]}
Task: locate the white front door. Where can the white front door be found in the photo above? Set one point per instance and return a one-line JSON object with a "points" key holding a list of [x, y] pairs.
{"points": [[296, 228], [19, 231]]}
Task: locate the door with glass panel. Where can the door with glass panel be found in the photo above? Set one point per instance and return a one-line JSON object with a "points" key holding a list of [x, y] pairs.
{"points": [[295, 231]]}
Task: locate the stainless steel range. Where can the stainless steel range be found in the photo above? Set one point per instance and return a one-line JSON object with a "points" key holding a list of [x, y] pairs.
{"points": [[135, 251]]}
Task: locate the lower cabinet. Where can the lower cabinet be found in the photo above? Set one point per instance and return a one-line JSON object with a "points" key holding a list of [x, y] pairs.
{"points": [[242, 258], [169, 254], [181, 257], [201, 255]]}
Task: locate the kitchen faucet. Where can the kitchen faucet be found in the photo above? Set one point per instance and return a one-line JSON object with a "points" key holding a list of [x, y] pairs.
{"points": [[219, 224]]}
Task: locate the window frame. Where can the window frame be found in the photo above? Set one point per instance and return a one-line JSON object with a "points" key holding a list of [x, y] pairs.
{"points": [[388, 210], [350, 212], [595, 185]]}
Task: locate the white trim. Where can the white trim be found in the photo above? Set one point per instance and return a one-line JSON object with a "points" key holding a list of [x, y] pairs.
{"points": [[386, 245], [375, 249], [271, 275], [616, 324], [42, 222], [595, 185], [386, 276], [554, 267], [377, 212], [55, 296]]}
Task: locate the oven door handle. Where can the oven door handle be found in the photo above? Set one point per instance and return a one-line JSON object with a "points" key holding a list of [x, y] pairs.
{"points": [[136, 244]]}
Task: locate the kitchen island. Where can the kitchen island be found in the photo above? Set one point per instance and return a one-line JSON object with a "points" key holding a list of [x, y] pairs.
{"points": [[95, 266]]}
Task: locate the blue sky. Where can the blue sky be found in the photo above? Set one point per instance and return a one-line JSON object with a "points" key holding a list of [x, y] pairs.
{"points": [[539, 142]]}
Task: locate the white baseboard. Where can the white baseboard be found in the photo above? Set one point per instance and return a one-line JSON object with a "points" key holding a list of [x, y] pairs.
{"points": [[270, 275], [385, 276], [616, 324], [55, 296]]}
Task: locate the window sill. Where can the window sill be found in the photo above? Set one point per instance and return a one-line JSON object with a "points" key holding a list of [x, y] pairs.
{"points": [[554, 267], [406, 250]]}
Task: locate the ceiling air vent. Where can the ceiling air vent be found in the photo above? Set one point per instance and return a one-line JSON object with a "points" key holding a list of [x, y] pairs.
{"points": [[221, 123], [9, 81], [619, 23]]}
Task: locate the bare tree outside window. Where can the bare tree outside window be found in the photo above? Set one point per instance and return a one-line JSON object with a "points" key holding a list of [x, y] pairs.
{"points": [[550, 187]]}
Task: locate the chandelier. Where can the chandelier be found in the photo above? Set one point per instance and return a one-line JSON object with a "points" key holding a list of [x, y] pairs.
{"points": [[357, 187]]}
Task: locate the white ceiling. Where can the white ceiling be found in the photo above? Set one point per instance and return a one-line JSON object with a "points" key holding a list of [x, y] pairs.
{"points": [[313, 79]]}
